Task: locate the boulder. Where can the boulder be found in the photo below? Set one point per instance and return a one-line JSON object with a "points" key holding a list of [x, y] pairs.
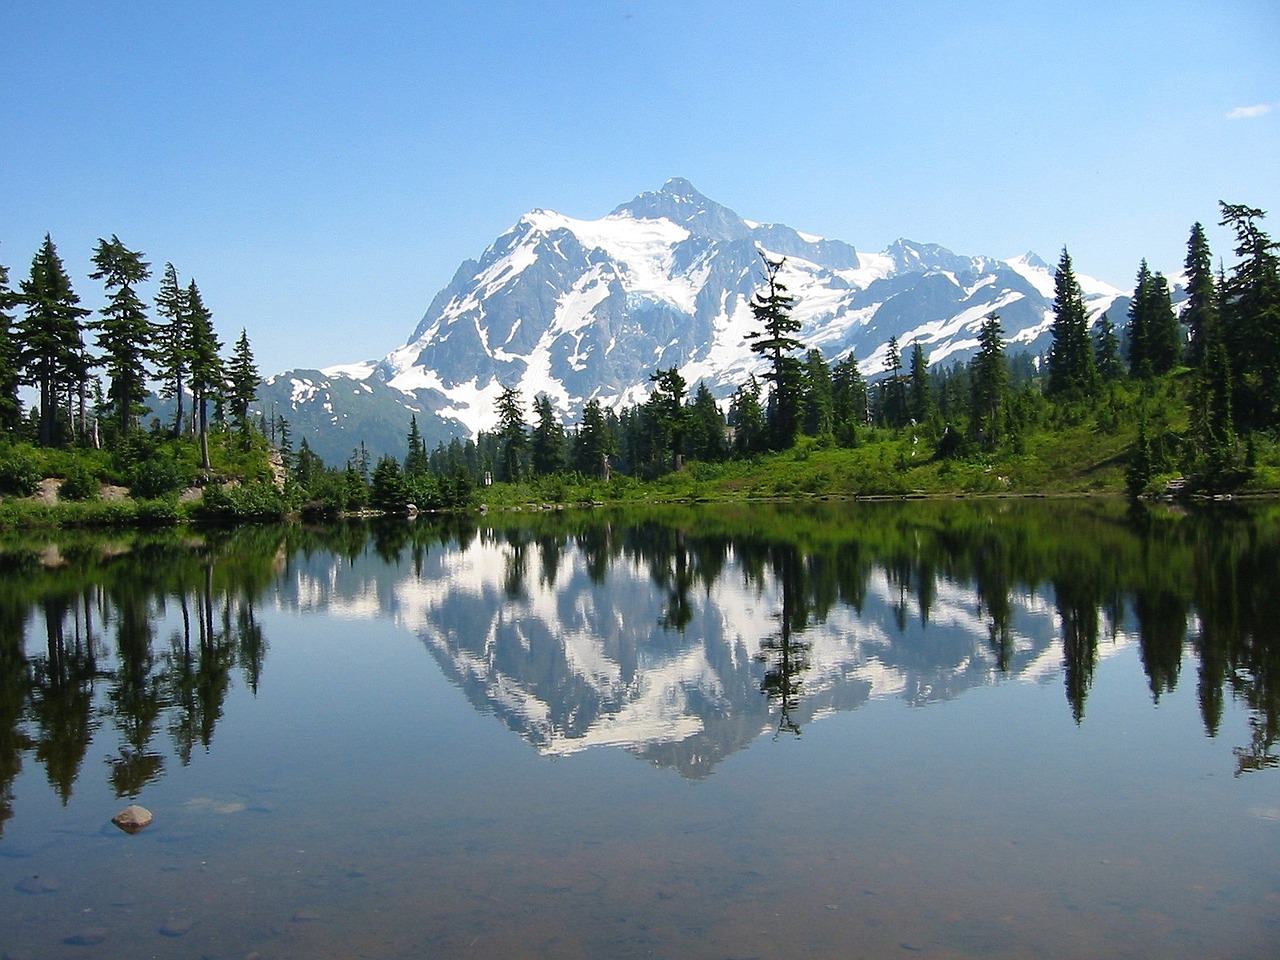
{"points": [[132, 818]]}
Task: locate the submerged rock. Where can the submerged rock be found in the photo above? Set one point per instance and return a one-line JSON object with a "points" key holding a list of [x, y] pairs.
{"points": [[132, 818]]}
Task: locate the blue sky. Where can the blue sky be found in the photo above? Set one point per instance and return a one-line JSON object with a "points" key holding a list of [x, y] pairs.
{"points": [[322, 169]]}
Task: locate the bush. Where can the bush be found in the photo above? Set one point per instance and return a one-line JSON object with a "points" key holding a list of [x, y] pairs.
{"points": [[81, 484], [19, 475], [155, 477], [252, 502]]}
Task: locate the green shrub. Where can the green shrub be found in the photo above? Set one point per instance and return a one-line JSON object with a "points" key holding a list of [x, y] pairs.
{"points": [[81, 484], [19, 475], [157, 476]]}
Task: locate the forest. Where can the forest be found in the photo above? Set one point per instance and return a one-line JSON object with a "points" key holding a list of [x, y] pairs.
{"points": [[1160, 401]]}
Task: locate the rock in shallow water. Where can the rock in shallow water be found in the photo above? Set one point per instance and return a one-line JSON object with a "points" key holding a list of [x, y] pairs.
{"points": [[132, 818]]}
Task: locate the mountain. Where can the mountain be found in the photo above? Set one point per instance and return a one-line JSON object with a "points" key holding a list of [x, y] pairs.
{"points": [[582, 309]]}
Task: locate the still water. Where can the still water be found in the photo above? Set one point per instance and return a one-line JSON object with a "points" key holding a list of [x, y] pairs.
{"points": [[948, 730]]}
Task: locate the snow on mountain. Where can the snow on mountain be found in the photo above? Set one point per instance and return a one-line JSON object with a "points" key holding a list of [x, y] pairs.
{"points": [[588, 309]]}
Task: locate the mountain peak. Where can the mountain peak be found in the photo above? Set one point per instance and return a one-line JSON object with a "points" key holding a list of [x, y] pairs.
{"points": [[680, 202]]}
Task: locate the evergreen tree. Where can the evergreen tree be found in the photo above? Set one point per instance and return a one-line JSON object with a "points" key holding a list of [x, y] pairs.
{"points": [[1072, 372], [172, 360], [10, 371], [920, 403], [706, 427], [1107, 351], [125, 333], [547, 445], [205, 374], [1138, 333], [594, 443], [416, 462], [387, 491], [242, 382], [746, 417], [512, 436], [1202, 299], [776, 341], [668, 416], [1251, 319], [848, 399], [819, 396], [989, 385], [893, 392], [51, 337]]}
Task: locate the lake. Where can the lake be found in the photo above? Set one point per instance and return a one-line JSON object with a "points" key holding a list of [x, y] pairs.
{"points": [[1001, 729]]}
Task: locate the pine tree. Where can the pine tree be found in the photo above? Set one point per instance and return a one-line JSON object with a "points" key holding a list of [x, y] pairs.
{"points": [[205, 374], [920, 403], [1202, 298], [547, 444], [1251, 319], [416, 462], [1138, 332], [746, 417], [172, 360], [1072, 373], [849, 399], [772, 310], [706, 427], [1107, 351], [989, 385], [125, 333], [10, 372], [51, 337], [668, 416], [595, 442], [242, 382], [893, 392], [819, 396], [512, 434]]}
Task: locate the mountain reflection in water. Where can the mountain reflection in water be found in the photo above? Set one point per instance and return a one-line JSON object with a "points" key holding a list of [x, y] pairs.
{"points": [[678, 634]]}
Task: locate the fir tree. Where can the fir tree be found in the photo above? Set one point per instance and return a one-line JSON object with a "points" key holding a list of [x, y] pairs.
{"points": [[989, 383], [706, 427], [1072, 372], [595, 442], [242, 381], [125, 333], [547, 444], [1137, 332], [668, 417], [746, 417], [512, 434], [1107, 351], [10, 372], [1251, 319], [51, 337], [893, 392], [849, 399], [416, 461], [920, 403], [819, 399], [1202, 298], [172, 360], [205, 373], [776, 341]]}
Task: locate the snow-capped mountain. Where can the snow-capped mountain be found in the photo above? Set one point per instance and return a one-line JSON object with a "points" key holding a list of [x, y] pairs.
{"points": [[581, 309]]}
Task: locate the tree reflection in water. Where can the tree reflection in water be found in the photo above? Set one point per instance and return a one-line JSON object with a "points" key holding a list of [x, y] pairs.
{"points": [[937, 594]]}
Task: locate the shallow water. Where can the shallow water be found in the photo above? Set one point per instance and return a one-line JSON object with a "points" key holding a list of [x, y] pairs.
{"points": [[689, 734]]}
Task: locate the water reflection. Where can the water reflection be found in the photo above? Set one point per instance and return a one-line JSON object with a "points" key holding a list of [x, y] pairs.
{"points": [[678, 634]]}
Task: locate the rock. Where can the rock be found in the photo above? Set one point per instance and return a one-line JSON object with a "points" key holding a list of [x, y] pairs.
{"points": [[132, 818], [87, 938], [177, 927]]}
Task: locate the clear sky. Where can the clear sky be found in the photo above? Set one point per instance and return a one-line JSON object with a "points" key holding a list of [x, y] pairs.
{"points": [[321, 169]]}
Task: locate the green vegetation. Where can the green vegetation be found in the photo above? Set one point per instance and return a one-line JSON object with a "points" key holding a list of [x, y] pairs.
{"points": [[1161, 405]]}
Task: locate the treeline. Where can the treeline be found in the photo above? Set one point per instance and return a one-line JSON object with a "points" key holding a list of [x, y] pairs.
{"points": [[1202, 388], [93, 396]]}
